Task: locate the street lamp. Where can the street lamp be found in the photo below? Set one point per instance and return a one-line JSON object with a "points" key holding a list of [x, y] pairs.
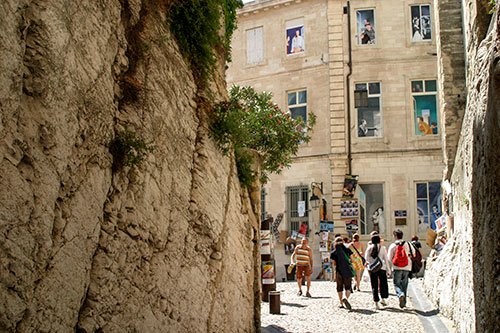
{"points": [[317, 190]]}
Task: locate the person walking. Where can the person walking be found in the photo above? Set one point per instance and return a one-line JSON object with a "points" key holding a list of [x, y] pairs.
{"points": [[400, 257], [304, 264], [343, 271], [378, 277], [357, 259]]}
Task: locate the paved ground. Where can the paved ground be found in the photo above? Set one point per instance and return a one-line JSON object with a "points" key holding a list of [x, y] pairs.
{"points": [[322, 314]]}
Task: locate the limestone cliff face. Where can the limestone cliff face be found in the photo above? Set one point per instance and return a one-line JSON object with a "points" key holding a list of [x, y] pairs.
{"points": [[463, 280], [167, 246]]}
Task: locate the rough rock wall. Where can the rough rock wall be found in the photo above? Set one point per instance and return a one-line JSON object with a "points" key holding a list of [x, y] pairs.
{"points": [[464, 279], [166, 246]]}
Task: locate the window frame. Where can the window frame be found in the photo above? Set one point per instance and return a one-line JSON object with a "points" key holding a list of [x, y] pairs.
{"points": [[364, 210], [293, 220], [420, 13], [368, 95], [358, 31], [262, 59], [428, 203], [297, 105], [424, 92]]}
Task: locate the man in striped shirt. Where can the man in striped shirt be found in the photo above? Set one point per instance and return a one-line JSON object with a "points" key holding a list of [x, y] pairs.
{"points": [[304, 263]]}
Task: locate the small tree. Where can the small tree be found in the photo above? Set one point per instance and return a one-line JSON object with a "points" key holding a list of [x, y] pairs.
{"points": [[251, 120]]}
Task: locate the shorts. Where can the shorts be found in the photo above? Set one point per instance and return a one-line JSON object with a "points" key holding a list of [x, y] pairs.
{"points": [[342, 283], [303, 270]]}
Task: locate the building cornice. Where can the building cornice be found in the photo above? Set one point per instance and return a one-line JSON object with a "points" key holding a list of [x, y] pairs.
{"points": [[258, 6]]}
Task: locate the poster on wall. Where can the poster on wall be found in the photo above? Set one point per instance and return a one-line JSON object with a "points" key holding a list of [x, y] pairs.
{"points": [[350, 182], [324, 235], [301, 208], [267, 272], [349, 208], [295, 40], [302, 230], [323, 246], [351, 225], [276, 224], [265, 242]]}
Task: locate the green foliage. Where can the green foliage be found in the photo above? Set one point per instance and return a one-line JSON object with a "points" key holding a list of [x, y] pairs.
{"points": [[196, 26], [128, 150], [251, 120], [493, 5]]}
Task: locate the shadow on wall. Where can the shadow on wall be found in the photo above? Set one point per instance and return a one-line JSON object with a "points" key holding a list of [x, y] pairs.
{"points": [[486, 205]]}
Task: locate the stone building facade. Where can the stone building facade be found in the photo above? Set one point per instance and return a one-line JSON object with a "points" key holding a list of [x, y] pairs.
{"points": [[367, 90]]}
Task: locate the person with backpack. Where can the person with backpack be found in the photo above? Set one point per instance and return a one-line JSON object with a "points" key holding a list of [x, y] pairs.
{"points": [[419, 254], [400, 257], [343, 271], [378, 266]]}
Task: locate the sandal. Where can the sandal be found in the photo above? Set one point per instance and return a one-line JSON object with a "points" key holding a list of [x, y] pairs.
{"points": [[308, 295], [299, 293]]}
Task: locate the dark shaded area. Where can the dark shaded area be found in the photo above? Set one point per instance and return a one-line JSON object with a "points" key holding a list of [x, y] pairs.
{"points": [[485, 200]]}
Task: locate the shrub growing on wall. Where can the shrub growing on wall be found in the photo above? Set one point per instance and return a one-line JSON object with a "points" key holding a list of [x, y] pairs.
{"points": [[202, 27], [251, 120]]}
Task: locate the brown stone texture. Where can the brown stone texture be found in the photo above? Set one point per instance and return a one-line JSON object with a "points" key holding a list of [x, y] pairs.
{"points": [[170, 245], [463, 280]]}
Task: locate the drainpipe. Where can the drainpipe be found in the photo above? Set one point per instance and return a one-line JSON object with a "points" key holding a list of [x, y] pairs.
{"points": [[348, 89]]}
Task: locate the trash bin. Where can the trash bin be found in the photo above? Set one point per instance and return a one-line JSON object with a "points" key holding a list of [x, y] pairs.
{"points": [[290, 276], [274, 302]]}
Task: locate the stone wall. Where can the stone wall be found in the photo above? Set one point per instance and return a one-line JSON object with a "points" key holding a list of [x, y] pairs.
{"points": [[169, 245], [463, 280]]}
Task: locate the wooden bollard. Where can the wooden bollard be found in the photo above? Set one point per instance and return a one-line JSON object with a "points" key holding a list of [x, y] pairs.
{"points": [[274, 302]]}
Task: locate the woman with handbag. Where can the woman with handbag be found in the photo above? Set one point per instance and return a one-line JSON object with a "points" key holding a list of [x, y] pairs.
{"points": [[357, 260], [378, 266]]}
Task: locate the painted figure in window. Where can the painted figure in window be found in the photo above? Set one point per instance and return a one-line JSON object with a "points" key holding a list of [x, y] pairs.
{"points": [[423, 126], [297, 42], [367, 34], [436, 214], [362, 129], [378, 219], [416, 88], [434, 128]]}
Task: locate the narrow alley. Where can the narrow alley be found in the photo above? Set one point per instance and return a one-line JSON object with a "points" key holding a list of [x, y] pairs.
{"points": [[321, 312]]}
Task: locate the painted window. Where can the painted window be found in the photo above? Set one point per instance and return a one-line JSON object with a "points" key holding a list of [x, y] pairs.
{"points": [[371, 209], [255, 45], [425, 106], [428, 204], [367, 103], [365, 26], [421, 23], [297, 206], [295, 36], [297, 104], [295, 40]]}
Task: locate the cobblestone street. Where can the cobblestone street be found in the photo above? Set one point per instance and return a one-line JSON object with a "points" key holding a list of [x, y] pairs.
{"points": [[321, 312]]}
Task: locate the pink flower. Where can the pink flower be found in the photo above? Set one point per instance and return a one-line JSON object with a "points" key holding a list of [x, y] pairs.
{"points": [[276, 107], [279, 122], [270, 116], [265, 131]]}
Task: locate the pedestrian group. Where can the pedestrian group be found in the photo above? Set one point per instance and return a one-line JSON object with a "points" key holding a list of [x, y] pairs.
{"points": [[350, 260]]}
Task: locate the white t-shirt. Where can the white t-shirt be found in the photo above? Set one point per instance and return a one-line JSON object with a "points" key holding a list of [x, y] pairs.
{"points": [[392, 253], [382, 254]]}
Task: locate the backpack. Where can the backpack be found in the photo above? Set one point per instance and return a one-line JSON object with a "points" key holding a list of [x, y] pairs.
{"points": [[400, 258], [417, 258]]}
